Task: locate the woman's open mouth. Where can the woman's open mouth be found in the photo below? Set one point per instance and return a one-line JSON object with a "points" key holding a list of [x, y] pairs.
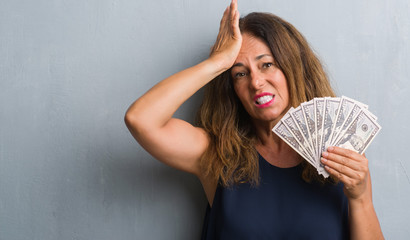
{"points": [[264, 99]]}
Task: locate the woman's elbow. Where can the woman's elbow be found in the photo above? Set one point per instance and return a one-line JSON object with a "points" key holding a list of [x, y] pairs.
{"points": [[133, 123]]}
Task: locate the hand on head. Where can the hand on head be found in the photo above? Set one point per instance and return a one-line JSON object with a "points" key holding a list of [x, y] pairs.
{"points": [[229, 39]]}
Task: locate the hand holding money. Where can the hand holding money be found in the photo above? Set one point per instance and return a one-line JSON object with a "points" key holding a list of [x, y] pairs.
{"points": [[349, 167], [323, 122]]}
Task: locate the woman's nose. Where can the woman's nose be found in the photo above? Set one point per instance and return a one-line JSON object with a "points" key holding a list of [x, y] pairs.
{"points": [[256, 80]]}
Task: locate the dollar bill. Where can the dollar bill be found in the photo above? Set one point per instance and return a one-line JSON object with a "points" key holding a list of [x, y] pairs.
{"points": [[319, 104], [352, 115], [360, 133], [308, 110], [346, 106], [322, 122], [283, 132], [299, 118], [292, 126], [331, 106]]}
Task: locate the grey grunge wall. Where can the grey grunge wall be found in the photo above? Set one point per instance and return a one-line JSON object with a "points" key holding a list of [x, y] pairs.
{"points": [[69, 169]]}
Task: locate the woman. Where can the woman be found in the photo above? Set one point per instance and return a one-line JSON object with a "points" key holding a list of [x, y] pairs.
{"points": [[259, 67]]}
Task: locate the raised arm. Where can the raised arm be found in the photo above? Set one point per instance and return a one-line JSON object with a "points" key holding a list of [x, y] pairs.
{"points": [[172, 141], [352, 169]]}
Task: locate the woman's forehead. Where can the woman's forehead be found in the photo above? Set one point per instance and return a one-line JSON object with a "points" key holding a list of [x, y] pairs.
{"points": [[253, 48]]}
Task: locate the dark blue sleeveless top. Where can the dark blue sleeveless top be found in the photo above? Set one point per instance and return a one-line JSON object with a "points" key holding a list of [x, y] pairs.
{"points": [[283, 206]]}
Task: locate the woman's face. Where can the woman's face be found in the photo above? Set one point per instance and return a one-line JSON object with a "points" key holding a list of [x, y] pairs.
{"points": [[259, 84]]}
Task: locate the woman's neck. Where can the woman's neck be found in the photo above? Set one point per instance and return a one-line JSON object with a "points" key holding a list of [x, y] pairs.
{"points": [[273, 148]]}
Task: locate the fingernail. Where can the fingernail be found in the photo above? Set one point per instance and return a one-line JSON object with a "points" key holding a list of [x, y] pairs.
{"points": [[325, 154], [323, 160], [330, 148]]}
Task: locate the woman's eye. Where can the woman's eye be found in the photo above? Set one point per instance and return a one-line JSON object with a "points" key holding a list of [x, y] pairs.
{"points": [[240, 74], [266, 65]]}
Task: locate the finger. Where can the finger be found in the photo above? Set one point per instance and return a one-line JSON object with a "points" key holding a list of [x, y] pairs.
{"points": [[223, 24], [347, 181], [235, 25], [224, 17], [234, 5], [233, 8], [346, 153], [340, 169], [340, 159], [235, 18]]}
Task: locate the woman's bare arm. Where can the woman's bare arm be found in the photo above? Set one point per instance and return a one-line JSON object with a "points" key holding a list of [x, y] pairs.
{"points": [[352, 169], [172, 141], [363, 220], [149, 119]]}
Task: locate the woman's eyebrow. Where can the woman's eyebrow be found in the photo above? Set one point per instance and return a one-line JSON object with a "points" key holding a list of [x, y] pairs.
{"points": [[263, 55], [239, 64]]}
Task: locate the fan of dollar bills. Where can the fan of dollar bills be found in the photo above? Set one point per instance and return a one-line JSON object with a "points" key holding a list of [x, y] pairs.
{"points": [[331, 121]]}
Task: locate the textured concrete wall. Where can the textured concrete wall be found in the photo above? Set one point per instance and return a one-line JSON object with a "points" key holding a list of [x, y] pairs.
{"points": [[69, 169]]}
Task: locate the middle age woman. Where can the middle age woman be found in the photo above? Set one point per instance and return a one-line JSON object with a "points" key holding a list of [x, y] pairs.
{"points": [[257, 186]]}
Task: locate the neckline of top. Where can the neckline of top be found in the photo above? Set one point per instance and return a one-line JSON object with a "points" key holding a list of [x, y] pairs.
{"points": [[270, 164]]}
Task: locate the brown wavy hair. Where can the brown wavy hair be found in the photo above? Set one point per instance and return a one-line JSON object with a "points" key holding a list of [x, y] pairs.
{"points": [[231, 157]]}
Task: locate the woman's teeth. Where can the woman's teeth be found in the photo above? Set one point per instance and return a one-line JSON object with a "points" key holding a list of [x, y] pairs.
{"points": [[264, 99]]}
